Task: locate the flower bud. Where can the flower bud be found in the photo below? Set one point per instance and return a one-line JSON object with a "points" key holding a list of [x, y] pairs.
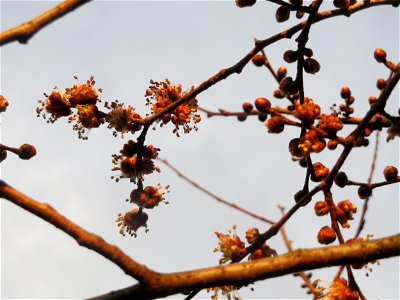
{"points": [[380, 55], [258, 60], [3, 104], [311, 66], [262, 104], [282, 71], [308, 52], [288, 86], [341, 179], [390, 173], [381, 83], [326, 235], [364, 192], [275, 124], [3, 155], [341, 3], [345, 92], [278, 94], [320, 172], [245, 3], [321, 208], [26, 151], [282, 14], [290, 56], [247, 107]]}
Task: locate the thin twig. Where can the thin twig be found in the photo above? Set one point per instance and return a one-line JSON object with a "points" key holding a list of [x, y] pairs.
{"points": [[24, 32], [212, 195], [371, 174]]}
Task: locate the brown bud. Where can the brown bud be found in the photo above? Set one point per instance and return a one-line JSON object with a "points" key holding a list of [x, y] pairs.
{"points": [[308, 52], [3, 155], [282, 14], [290, 56], [341, 3], [326, 235], [278, 94], [247, 107], [372, 100], [299, 14], [245, 3], [332, 144], [282, 71], [262, 117], [380, 55], [262, 104], [299, 195], [341, 179], [364, 192], [26, 151], [321, 208], [258, 60], [294, 148], [320, 172], [345, 92], [242, 117], [390, 173], [381, 83], [288, 86], [311, 66], [275, 124]]}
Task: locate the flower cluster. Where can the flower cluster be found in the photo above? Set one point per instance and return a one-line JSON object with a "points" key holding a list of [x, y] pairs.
{"points": [[162, 94], [135, 161], [337, 290], [307, 112], [122, 119], [131, 221], [149, 197], [331, 124], [233, 248], [83, 98], [230, 245], [344, 212]]}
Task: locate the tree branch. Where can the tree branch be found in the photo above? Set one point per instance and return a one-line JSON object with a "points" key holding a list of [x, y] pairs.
{"points": [[245, 273], [82, 236], [24, 32]]}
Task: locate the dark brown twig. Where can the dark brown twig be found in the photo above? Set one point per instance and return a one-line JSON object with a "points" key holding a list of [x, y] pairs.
{"points": [[25, 31]]}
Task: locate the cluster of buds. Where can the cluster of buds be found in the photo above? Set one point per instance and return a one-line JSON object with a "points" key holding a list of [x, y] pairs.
{"points": [[122, 119], [162, 94], [264, 251], [307, 112], [230, 245], [233, 248], [131, 221], [336, 290], [346, 108], [344, 212], [83, 98], [310, 64], [135, 161], [311, 142], [149, 197]]}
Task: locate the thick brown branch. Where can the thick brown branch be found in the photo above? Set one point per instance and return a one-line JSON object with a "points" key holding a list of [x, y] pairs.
{"points": [[82, 236], [245, 273], [25, 31]]}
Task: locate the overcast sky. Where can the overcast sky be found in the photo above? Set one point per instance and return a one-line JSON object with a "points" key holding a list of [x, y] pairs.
{"points": [[124, 45]]}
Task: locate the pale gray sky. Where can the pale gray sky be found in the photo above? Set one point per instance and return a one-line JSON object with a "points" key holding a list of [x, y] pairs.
{"points": [[124, 45]]}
